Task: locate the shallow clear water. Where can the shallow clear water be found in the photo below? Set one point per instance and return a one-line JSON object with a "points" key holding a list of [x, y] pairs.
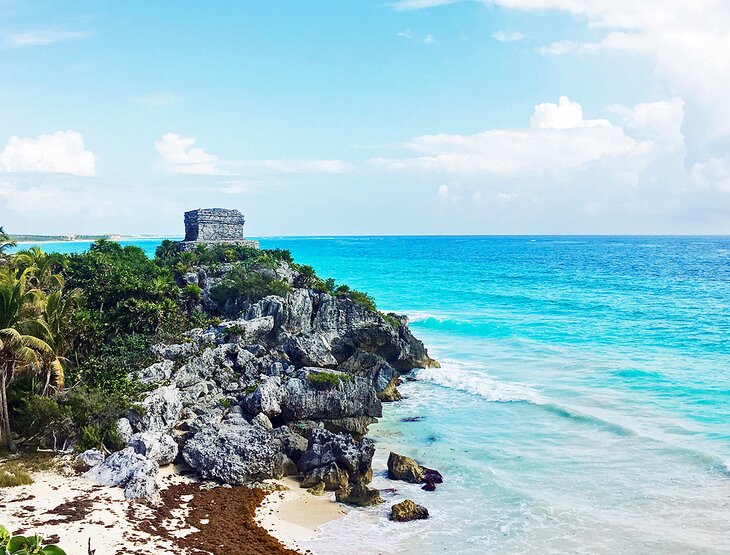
{"points": [[583, 404]]}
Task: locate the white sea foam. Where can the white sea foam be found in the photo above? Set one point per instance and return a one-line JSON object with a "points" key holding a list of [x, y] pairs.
{"points": [[425, 316], [478, 383]]}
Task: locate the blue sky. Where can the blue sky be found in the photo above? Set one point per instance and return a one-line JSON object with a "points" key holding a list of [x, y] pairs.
{"points": [[366, 117]]}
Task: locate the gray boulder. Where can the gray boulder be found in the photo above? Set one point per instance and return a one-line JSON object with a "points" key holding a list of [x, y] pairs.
{"points": [[324, 448], [304, 398], [262, 420], [330, 475], [157, 372], [234, 453], [91, 458], [125, 429], [292, 444], [175, 352], [371, 366], [266, 398], [160, 410], [161, 448], [246, 331], [310, 351], [128, 469]]}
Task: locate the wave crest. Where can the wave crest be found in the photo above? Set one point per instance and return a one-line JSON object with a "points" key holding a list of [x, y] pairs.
{"points": [[477, 383]]}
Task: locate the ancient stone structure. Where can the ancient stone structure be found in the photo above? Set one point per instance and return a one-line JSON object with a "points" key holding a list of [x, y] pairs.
{"points": [[207, 226]]}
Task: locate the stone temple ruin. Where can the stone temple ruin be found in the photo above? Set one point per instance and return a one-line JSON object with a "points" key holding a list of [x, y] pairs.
{"points": [[209, 226]]}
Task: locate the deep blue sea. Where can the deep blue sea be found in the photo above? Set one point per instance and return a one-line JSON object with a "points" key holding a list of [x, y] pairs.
{"points": [[583, 403]]}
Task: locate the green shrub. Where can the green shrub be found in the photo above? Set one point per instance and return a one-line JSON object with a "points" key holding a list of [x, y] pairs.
{"points": [[326, 380], [240, 285], [86, 416], [392, 320], [21, 545], [363, 299], [250, 389], [91, 437]]}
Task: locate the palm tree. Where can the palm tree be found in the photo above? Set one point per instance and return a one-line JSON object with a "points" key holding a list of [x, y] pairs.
{"points": [[23, 334], [57, 313], [45, 268], [5, 243]]}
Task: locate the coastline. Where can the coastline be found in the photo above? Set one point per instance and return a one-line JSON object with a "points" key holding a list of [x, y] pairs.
{"points": [[121, 238], [76, 513]]}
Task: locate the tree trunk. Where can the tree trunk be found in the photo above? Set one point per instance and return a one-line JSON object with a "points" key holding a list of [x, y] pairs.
{"points": [[5, 433]]}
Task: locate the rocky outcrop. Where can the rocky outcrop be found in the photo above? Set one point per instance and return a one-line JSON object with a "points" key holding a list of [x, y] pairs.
{"points": [[285, 385], [407, 510], [159, 447], [342, 449], [234, 453], [303, 398], [136, 473], [331, 476], [159, 412]]}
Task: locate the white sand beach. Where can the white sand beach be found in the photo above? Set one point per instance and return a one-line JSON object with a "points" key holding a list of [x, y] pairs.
{"points": [[86, 518]]}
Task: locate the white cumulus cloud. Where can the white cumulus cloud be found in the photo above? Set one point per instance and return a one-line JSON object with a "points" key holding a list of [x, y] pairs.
{"points": [[560, 142], [180, 155], [59, 152], [660, 121], [563, 115]]}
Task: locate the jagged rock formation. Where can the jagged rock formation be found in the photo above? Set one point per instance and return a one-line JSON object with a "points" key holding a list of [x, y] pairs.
{"points": [[288, 385], [214, 225]]}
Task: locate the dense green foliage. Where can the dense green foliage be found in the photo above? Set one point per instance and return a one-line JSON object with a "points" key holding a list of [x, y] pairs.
{"points": [[21, 545]]}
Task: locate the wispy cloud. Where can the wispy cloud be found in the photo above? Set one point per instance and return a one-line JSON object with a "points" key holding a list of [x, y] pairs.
{"points": [[158, 99], [421, 4], [409, 35], [179, 154], [503, 36], [42, 37]]}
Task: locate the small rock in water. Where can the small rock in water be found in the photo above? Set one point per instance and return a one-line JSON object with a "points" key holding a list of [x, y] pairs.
{"points": [[413, 419], [408, 510], [404, 468], [428, 486], [431, 475], [359, 494]]}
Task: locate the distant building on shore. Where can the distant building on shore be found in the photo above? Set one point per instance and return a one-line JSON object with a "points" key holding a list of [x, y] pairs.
{"points": [[209, 226], [113, 237]]}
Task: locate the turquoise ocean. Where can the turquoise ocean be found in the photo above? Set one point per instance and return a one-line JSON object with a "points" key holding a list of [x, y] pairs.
{"points": [[583, 399]]}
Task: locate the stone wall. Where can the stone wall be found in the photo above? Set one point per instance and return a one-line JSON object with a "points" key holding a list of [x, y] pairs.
{"points": [[214, 225]]}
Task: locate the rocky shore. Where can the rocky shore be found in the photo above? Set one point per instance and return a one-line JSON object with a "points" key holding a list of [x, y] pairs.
{"points": [[285, 386]]}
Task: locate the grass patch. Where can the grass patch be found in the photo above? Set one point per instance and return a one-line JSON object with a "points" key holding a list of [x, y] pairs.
{"points": [[17, 477], [17, 471], [326, 380]]}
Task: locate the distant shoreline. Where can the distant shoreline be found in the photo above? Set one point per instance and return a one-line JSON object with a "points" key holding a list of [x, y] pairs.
{"points": [[26, 241]]}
